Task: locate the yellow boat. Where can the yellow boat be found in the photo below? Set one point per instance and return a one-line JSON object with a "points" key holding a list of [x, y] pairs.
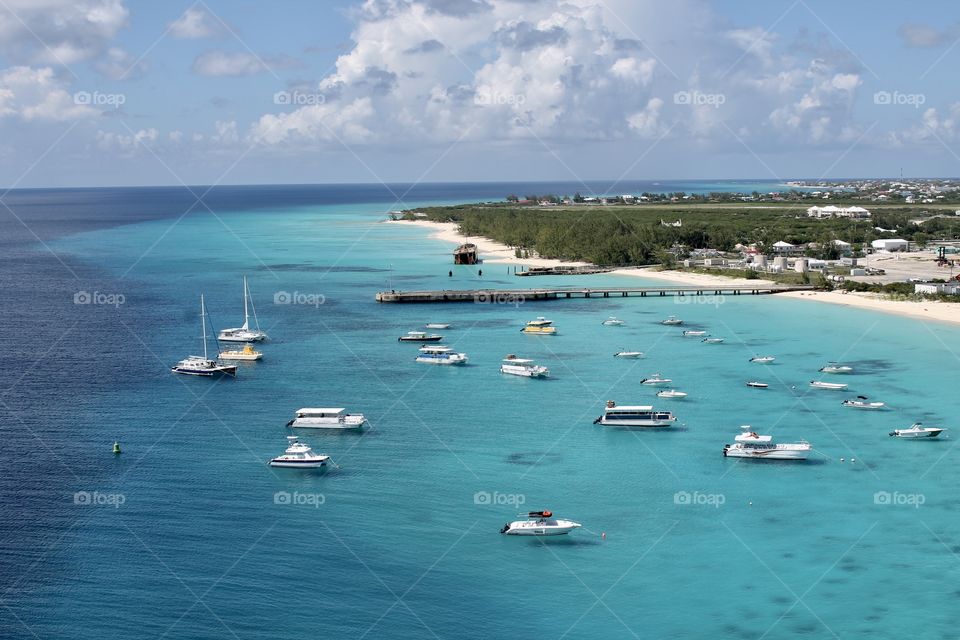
{"points": [[540, 326], [247, 353]]}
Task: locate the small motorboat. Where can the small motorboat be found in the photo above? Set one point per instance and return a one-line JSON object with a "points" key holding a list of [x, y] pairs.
{"points": [[671, 393], [420, 336], [712, 340], [917, 430], [437, 325], [628, 354], [440, 355], [247, 353], [833, 367], [612, 322], [655, 380], [750, 444], [523, 367], [672, 320], [540, 326], [862, 402], [694, 334], [831, 386], [299, 456], [762, 359], [757, 385], [540, 523]]}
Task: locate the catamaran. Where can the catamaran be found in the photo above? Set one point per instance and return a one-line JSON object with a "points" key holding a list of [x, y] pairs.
{"points": [[615, 415], [203, 366], [248, 353], [327, 418], [440, 354], [523, 367], [245, 333], [540, 326]]}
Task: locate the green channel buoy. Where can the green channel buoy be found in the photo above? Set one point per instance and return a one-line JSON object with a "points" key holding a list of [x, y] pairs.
{"points": [[116, 448]]}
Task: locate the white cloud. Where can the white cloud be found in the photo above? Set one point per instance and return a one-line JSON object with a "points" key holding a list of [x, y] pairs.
{"points": [[117, 64], [127, 144], [38, 95], [195, 23], [223, 63], [59, 31]]}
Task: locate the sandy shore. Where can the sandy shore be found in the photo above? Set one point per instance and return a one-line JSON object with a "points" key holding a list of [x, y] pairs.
{"points": [[494, 252]]}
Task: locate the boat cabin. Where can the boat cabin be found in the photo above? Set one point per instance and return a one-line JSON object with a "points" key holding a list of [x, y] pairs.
{"points": [[465, 254]]}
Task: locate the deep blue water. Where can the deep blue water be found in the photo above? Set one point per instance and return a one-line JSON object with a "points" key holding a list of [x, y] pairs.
{"points": [[185, 539]]}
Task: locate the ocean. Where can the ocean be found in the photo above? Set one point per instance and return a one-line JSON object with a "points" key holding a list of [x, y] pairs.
{"points": [[189, 534]]}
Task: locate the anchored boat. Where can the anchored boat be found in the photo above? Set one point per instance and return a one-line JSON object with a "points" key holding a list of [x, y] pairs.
{"points": [[540, 523], [299, 456], [327, 418], [634, 416], [540, 326], [523, 367], [750, 444], [440, 355], [203, 366], [245, 333], [917, 430]]}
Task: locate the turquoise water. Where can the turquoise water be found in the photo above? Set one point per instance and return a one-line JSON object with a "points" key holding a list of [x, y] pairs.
{"points": [[400, 540]]}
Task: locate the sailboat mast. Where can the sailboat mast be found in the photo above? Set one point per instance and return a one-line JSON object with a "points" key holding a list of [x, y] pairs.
{"points": [[203, 326], [246, 313]]}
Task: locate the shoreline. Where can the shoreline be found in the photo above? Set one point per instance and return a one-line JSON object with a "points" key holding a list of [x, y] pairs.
{"points": [[497, 253]]}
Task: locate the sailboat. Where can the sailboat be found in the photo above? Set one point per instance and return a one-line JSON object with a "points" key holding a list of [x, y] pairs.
{"points": [[203, 366], [244, 333]]}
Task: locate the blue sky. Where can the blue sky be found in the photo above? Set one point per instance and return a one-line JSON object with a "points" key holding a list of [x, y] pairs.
{"points": [[123, 92]]}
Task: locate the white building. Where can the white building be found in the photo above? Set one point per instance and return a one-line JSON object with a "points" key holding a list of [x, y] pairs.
{"points": [[893, 244], [933, 288], [832, 211], [783, 247]]}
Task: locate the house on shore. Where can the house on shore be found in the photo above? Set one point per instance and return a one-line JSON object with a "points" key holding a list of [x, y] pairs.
{"points": [[832, 211]]}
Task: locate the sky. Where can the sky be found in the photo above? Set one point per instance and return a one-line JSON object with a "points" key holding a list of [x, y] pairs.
{"points": [[137, 92]]}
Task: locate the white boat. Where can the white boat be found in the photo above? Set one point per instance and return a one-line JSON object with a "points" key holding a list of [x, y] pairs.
{"points": [[420, 336], [440, 354], [628, 354], [862, 402], [522, 367], [655, 380], [437, 325], [671, 393], [634, 416], [694, 334], [833, 367], [540, 326], [672, 320], [712, 340], [248, 353], [299, 456], [917, 430], [750, 444], [757, 385], [327, 418], [203, 366], [833, 386], [762, 359], [245, 333], [540, 523], [612, 322]]}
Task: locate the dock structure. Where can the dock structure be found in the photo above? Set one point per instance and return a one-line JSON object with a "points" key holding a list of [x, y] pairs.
{"points": [[512, 296]]}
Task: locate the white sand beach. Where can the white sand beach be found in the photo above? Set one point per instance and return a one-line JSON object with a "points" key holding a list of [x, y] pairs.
{"points": [[497, 253]]}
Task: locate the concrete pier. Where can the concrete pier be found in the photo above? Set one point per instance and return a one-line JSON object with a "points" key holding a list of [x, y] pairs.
{"points": [[523, 295]]}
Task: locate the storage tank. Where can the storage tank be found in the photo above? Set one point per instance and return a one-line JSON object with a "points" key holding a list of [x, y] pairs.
{"points": [[802, 265]]}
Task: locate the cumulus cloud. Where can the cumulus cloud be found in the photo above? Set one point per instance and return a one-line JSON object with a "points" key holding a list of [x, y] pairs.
{"points": [[38, 95], [195, 23], [58, 31], [126, 144]]}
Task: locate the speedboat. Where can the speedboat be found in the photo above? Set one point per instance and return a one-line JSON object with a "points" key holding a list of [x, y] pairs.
{"points": [[299, 456], [833, 386], [628, 354], [540, 523], [917, 430], [245, 333], [863, 403], [247, 353], [750, 444], [540, 326], [420, 336], [671, 393], [634, 416], [437, 325], [757, 385], [440, 355], [712, 340], [694, 334], [833, 367], [612, 322], [523, 367], [762, 359], [672, 320], [327, 418], [656, 379], [203, 365]]}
